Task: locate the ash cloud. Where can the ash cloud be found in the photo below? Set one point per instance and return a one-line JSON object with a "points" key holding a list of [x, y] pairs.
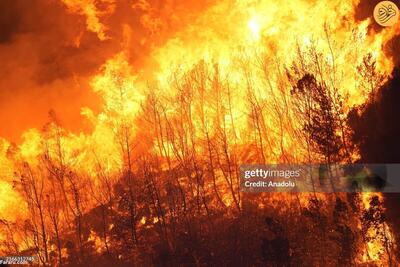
{"points": [[43, 67], [48, 55], [50, 34]]}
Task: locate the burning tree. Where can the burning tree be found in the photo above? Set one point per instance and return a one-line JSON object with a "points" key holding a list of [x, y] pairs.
{"points": [[156, 180]]}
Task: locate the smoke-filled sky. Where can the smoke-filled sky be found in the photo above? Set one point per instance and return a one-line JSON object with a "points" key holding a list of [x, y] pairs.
{"points": [[42, 66], [48, 52], [49, 49]]}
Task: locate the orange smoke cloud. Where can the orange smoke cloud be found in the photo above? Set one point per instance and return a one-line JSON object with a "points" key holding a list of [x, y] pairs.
{"points": [[93, 14], [50, 49]]}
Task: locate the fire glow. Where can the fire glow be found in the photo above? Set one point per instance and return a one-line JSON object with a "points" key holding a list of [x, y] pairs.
{"points": [[219, 75]]}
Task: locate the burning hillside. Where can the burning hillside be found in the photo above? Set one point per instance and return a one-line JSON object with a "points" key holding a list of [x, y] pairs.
{"points": [[124, 125]]}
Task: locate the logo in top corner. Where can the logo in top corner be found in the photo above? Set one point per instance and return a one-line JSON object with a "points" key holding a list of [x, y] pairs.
{"points": [[386, 13]]}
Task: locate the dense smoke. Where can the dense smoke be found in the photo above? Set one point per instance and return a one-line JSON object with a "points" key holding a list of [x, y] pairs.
{"points": [[43, 67], [48, 54]]}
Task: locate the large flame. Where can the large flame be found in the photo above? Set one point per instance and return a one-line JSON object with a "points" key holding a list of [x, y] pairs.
{"points": [[244, 44]]}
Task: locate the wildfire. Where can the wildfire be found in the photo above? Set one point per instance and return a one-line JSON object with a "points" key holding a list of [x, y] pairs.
{"points": [[378, 238], [236, 46]]}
